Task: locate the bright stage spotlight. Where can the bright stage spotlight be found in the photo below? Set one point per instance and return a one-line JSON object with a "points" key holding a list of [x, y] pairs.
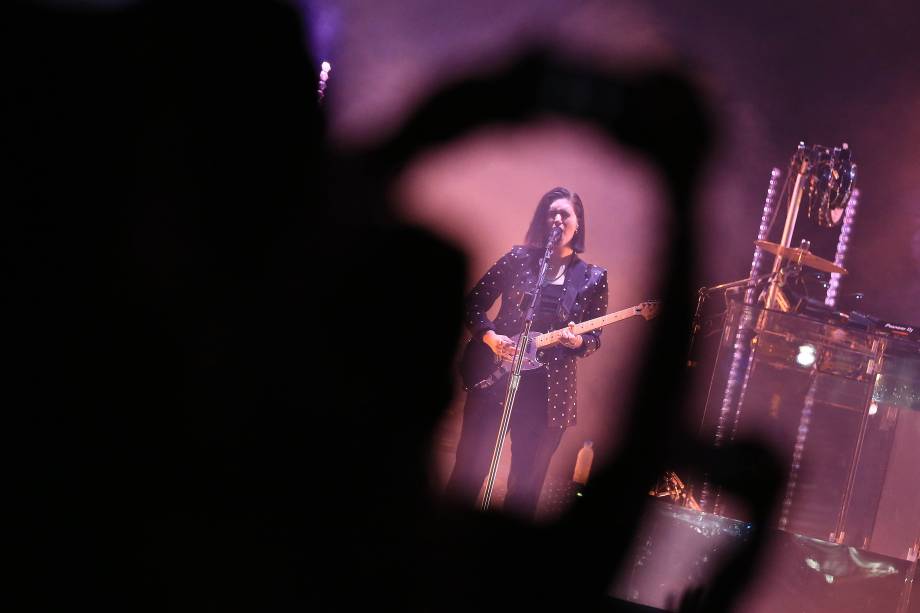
{"points": [[806, 356]]}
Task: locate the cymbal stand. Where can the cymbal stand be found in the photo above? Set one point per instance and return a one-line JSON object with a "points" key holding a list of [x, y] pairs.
{"points": [[800, 162]]}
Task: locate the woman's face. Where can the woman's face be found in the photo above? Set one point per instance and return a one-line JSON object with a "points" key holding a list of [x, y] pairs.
{"points": [[562, 214]]}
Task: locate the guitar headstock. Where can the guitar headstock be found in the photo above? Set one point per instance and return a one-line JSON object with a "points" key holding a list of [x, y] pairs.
{"points": [[650, 309]]}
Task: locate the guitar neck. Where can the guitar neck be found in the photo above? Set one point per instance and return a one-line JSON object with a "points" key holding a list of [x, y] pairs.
{"points": [[551, 338]]}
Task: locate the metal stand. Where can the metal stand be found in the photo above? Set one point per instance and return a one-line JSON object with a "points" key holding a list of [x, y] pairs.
{"points": [[792, 214], [515, 378], [703, 293], [696, 325], [840, 532]]}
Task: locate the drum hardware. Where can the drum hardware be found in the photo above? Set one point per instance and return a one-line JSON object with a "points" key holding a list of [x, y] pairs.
{"points": [[829, 184], [703, 294], [785, 350], [801, 256], [821, 179], [824, 181], [796, 258], [672, 487]]}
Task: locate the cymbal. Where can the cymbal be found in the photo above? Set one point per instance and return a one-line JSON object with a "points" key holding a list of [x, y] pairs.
{"points": [[800, 256]]}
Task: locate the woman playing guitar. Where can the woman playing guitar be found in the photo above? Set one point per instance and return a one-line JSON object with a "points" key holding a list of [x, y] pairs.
{"points": [[574, 291]]}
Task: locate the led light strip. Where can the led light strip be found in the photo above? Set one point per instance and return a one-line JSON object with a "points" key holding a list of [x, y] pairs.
{"points": [[842, 246], [799, 450], [742, 339], [763, 231]]}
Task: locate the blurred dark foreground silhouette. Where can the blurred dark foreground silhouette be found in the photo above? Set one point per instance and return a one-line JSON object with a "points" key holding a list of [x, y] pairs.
{"points": [[209, 406]]}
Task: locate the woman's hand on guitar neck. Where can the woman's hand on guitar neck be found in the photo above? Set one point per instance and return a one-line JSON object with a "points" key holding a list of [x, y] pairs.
{"points": [[570, 339], [501, 345]]}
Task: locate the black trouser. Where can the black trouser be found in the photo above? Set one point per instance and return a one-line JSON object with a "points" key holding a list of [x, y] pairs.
{"points": [[532, 443]]}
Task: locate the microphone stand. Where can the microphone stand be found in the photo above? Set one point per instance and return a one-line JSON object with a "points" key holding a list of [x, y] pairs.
{"points": [[516, 365]]}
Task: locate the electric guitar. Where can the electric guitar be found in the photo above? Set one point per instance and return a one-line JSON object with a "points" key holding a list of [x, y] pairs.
{"points": [[481, 368]]}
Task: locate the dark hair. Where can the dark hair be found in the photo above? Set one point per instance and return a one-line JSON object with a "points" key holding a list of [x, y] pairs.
{"points": [[539, 232]]}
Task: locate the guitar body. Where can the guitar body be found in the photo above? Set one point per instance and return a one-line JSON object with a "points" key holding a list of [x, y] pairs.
{"points": [[481, 368]]}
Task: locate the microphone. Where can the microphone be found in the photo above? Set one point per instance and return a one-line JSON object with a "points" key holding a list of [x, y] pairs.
{"points": [[555, 236]]}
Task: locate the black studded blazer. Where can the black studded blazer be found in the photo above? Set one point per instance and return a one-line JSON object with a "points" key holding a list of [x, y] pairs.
{"points": [[584, 297]]}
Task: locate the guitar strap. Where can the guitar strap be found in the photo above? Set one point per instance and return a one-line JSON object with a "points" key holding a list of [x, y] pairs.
{"points": [[574, 281]]}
